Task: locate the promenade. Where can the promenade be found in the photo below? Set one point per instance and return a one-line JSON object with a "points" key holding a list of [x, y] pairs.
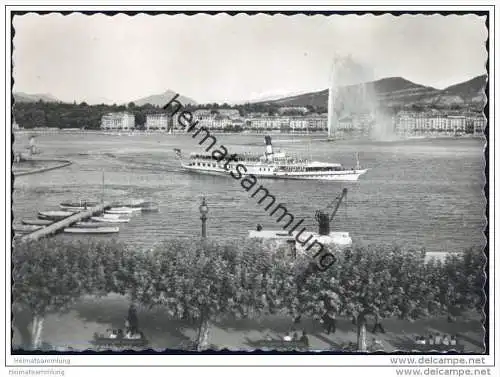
{"points": [[76, 328]]}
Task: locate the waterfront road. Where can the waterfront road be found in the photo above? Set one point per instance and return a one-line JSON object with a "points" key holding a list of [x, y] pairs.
{"points": [[76, 328]]}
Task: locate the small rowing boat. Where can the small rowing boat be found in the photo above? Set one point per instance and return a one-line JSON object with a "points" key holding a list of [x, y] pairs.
{"points": [[73, 210], [110, 215], [89, 224], [53, 215], [150, 207], [37, 222], [80, 205], [25, 229], [122, 210], [110, 219], [131, 203], [101, 230]]}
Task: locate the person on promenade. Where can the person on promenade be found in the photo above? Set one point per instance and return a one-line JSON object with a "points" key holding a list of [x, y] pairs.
{"points": [[330, 322], [378, 323], [446, 340], [438, 339], [304, 339], [420, 340], [132, 319], [377, 345]]}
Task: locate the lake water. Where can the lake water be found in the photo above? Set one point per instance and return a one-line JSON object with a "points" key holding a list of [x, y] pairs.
{"points": [[417, 194]]}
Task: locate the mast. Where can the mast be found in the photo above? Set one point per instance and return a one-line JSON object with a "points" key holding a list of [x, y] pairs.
{"points": [[102, 197], [338, 201], [310, 151]]}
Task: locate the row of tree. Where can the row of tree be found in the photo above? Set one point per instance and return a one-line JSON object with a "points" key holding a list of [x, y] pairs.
{"points": [[204, 281], [83, 116]]}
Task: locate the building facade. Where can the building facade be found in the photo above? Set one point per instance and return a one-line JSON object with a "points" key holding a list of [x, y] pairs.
{"points": [[229, 113], [434, 124], [479, 125], [118, 121], [318, 122], [268, 123], [158, 122]]}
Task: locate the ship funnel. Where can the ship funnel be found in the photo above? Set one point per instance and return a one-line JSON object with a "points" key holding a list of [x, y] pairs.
{"points": [[269, 146]]}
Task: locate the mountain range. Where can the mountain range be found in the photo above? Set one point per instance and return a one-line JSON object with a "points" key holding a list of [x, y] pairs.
{"points": [[23, 97], [390, 92], [397, 91], [163, 98]]}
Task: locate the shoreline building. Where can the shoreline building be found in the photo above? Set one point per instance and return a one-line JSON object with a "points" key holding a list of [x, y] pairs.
{"points": [[160, 121], [216, 119], [318, 122], [437, 124], [118, 121], [229, 113], [479, 125]]}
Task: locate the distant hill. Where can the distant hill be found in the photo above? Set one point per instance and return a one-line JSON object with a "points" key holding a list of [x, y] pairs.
{"points": [[394, 91], [469, 91], [162, 99], [23, 97]]}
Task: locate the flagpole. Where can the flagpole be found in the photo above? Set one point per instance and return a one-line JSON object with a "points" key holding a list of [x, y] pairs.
{"points": [[102, 197]]}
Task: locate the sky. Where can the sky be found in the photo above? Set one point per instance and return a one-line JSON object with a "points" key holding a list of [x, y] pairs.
{"points": [[235, 59]]}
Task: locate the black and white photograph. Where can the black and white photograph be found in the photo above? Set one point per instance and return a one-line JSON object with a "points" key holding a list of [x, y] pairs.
{"points": [[301, 184]]}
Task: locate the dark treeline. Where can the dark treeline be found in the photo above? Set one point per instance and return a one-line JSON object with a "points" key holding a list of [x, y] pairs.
{"points": [[83, 116], [65, 115]]}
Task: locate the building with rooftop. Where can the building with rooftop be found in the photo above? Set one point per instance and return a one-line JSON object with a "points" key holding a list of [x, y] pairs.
{"points": [[118, 121]]}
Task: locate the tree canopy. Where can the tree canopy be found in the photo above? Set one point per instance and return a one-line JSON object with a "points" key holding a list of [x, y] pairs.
{"points": [[203, 281]]}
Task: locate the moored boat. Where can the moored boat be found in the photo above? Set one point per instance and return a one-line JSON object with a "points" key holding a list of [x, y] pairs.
{"points": [[25, 229], [89, 224], [150, 207], [111, 215], [37, 222], [121, 211], [100, 230], [110, 219], [73, 210], [126, 208], [53, 215], [131, 203], [80, 205]]}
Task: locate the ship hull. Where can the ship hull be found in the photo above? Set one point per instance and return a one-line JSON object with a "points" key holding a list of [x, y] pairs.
{"points": [[341, 176]]}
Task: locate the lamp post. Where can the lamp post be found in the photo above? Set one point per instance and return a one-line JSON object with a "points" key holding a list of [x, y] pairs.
{"points": [[203, 211]]}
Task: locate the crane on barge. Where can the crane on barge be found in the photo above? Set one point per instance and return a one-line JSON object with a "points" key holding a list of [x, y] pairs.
{"points": [[324, 219]]}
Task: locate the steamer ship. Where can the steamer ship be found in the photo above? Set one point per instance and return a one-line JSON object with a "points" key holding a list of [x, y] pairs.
{"points": [[271, 165]]}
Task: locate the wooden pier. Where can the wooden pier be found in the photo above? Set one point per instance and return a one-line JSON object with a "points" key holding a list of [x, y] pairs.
{"points": [[64, 223]]}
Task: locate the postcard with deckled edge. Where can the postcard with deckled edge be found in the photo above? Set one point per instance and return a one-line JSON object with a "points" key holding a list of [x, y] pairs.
{"points": [[217, 184]]}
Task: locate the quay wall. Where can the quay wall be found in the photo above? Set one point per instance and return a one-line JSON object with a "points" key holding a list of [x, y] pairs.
{"points": [[61, 164]]}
